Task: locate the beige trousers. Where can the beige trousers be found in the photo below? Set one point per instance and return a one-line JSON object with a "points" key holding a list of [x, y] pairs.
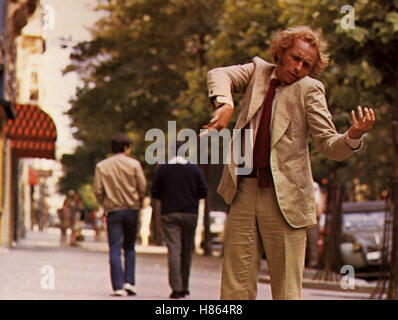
{"points": [[255, 223]]}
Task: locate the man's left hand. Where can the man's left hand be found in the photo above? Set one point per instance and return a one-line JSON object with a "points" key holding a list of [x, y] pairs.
{"points": [[363, 124]]}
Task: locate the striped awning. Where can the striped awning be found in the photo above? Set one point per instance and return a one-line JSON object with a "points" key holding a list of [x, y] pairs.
{"points": [[32, 133]]}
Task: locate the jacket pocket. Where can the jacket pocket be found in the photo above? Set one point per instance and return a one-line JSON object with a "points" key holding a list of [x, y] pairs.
{"points": [[304, 181]]}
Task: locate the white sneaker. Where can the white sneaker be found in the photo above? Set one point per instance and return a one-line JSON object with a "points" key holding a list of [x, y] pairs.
{"points": [[118, 293], [130, 289]]}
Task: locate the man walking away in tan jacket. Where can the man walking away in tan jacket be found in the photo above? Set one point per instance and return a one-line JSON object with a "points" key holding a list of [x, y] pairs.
{"points": [[119, 186]]}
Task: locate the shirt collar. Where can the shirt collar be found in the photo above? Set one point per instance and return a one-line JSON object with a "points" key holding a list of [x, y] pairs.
{"points": [[178, 159], [273, 75]]}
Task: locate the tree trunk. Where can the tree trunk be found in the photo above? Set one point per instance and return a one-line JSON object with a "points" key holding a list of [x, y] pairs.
{"points": [[392, 292], [332, 231]]}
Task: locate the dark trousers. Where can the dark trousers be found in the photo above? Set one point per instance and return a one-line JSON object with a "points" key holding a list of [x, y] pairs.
{"points": [[122, 231], [179, 233]]}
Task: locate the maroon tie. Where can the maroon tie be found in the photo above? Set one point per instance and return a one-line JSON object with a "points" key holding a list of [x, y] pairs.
{"points": [[262, 145]]}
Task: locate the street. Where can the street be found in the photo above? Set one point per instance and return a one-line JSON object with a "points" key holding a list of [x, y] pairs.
{"points": [[38, 268]]}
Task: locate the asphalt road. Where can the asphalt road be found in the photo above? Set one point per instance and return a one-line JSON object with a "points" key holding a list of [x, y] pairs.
{"points": [[38, 268]]}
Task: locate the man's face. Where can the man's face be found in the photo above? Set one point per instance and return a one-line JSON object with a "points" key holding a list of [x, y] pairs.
{"points": [[297, 61]]}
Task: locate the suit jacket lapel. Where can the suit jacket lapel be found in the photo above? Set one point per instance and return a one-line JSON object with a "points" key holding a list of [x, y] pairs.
{"points": [[260, 87], [282, 115]]}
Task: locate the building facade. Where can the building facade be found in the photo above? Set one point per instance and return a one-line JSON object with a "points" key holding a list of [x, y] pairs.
{"points": [[26, 131]]}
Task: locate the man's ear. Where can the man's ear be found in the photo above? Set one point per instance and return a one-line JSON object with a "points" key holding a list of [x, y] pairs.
{"points": [[279, 55]]}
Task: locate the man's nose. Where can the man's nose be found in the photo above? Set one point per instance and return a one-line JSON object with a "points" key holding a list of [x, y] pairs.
{"points": [[298, 67]]}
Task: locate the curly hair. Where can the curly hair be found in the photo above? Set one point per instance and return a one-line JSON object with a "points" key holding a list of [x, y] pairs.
{"points": [[284, 40]]}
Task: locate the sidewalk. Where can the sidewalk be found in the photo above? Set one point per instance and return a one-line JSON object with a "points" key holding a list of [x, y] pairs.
{"points": [[311, 279]]}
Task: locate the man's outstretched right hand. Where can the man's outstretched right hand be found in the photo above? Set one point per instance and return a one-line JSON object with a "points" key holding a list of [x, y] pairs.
{"points": [[220, 119]]}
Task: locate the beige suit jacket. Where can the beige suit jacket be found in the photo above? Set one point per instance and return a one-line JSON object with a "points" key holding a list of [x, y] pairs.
{"points": [[119, 183], [300, 109]]}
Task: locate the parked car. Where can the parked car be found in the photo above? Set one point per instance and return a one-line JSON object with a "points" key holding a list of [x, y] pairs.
{"points": [[362, 234]]}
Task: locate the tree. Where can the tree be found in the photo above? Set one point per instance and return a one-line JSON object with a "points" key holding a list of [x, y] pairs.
{"points": [[133, 71]]}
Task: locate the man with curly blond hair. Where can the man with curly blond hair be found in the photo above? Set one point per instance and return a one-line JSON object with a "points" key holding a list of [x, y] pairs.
{"points": [[271, 208]]}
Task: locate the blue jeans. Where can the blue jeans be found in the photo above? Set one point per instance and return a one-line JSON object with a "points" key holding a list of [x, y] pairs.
{"points": [[122, 226]]}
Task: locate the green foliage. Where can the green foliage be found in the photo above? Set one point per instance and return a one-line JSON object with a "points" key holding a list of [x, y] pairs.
{"points": [[133, 73]]}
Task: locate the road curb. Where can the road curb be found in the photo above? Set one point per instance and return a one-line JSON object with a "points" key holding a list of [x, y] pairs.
{"points": [[103, 247], [50, 240], [329, 285]]}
